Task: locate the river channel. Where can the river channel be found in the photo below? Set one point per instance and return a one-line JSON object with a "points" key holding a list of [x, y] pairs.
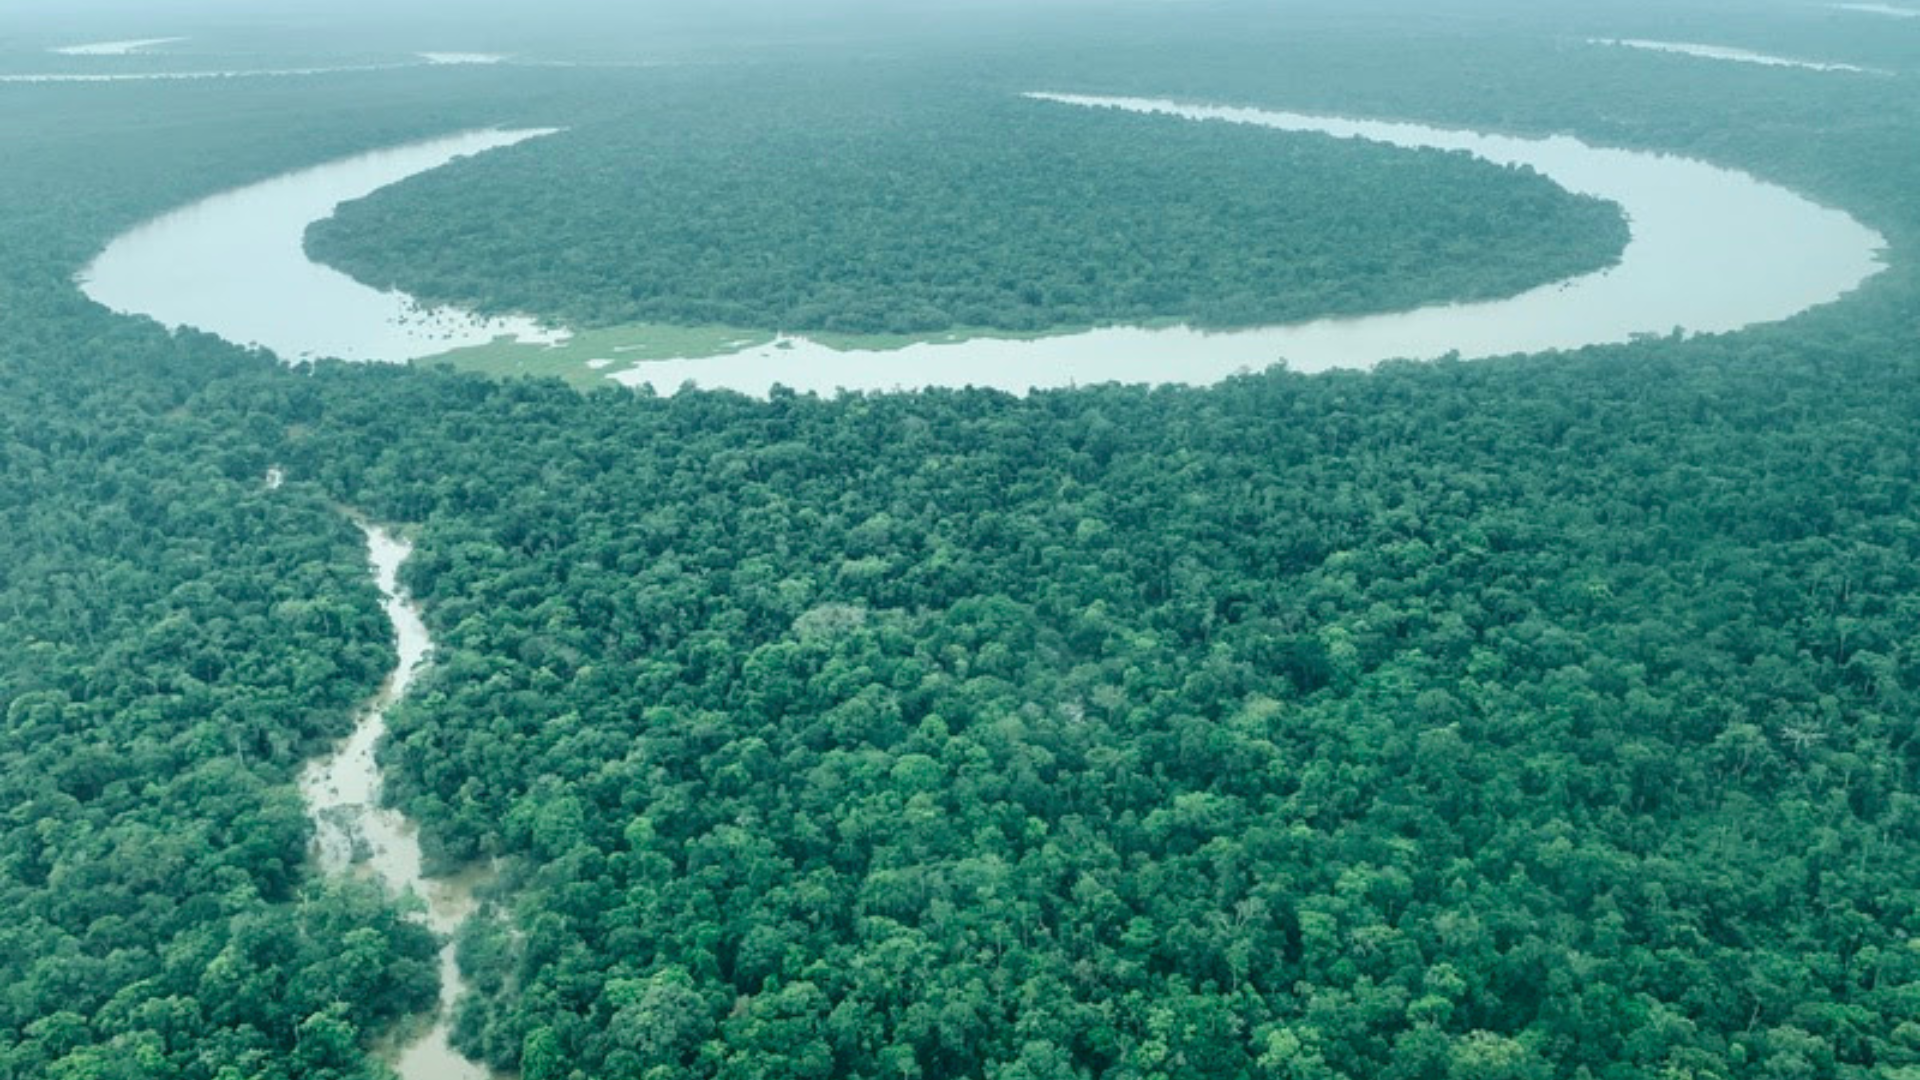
{"points": [[354, 834], [1712, 250], [235, 265]]}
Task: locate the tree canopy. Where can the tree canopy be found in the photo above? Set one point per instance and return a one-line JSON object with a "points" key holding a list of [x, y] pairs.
{"points": [[906, 200], [1542, 717]]}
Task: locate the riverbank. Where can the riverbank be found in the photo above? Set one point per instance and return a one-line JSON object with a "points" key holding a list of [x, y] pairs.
{"points": [[235, 265]]}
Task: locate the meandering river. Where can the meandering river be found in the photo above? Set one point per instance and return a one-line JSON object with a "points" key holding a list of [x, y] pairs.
{"points": [[1712, 250], [353, 833], [236, 265]]}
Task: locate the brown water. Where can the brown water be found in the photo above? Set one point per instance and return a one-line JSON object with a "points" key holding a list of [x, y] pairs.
{"points": [[354, 834]]}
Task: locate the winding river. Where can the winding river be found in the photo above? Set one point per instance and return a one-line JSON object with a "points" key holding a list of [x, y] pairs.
{"points": [[236, 265], [353, 833], [1712, 250]]}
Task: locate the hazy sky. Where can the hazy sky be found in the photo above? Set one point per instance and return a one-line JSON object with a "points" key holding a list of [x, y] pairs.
{"points": [[146, 15], [500, 21], [455, 10]]}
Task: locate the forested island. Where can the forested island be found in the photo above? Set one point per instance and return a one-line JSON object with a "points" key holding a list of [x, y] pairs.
{"points": [[892, 201], [1551, 716]]}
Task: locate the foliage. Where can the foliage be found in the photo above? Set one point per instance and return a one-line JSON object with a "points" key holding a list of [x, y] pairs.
{"points": [[175, 642], [1551, 716], [1476, 720], [900, 200]]}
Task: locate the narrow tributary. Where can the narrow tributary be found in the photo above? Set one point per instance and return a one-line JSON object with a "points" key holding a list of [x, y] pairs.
{"points": [[354, 834]]}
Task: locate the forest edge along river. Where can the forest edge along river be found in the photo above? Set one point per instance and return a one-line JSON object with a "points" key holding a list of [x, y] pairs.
{"points": [[235, 265], [353, 833], [1712, 250]]}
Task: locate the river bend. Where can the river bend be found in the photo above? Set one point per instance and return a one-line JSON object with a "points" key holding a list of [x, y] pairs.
{"points": [[236, 265], [1713, 250]]}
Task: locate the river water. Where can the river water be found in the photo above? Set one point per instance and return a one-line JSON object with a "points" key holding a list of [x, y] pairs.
{"points": [[236, 265], [354, 834], [192, 76], [1712, 250], [116, 48], [1879, 9], [1737, 56]]}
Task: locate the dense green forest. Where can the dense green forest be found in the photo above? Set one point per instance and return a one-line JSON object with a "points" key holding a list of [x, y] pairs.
{"points": [[1545, 717], [173, 645], [898, 201], [1464, 720]]}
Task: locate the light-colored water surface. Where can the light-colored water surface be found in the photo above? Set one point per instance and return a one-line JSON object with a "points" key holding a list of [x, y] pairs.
{"points": [[353, 833], [115, 48], [1879, 9], [1738, 56], [1712, 250], [462, 57], [191, 76], [235, 265]]}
